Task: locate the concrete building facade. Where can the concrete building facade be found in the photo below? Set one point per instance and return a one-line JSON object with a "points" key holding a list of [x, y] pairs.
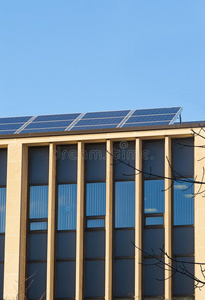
{"points": [[84, 214]]}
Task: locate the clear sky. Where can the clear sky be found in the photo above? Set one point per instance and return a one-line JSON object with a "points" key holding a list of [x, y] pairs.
{"points": [[94, 55]]}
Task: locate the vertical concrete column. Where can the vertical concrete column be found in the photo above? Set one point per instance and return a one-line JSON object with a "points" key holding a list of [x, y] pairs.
{"points": [[138, 219], [109, 221], [80, 222], [199, 209], [168, 217], [51, 223], [15, 233]]}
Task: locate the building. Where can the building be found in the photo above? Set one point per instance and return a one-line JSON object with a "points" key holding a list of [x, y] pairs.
{"points": [[86, 201]]}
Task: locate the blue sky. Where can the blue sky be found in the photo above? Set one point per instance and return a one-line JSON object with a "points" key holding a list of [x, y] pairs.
{"points": [[95, 55]]}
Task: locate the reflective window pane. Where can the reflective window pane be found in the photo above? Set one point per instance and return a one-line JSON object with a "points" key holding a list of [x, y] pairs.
{"points": [[1, 280], [183, 157], [95, 278], [153, 240], [95, 244], [150, 221], [95, 157], [153, 159], [38, 168], [65, 279], [37, 249], [124, 161], [66, 157], [3, 167], [67, 206], [66, 245], [124, 240], [2, 243], [38, 202], [153, 278], [183, 240], [153, 196], [183, 203], [95, 223], [3, 209], [38, 226], [124, 204], [124, 271], [95, 199], [182, 284], [36, 281]]}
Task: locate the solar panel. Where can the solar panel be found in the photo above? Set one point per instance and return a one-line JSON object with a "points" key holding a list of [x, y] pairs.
{"points": [[97, 120], [155, 116], [91, 120], [11, 125], [50, 123]]}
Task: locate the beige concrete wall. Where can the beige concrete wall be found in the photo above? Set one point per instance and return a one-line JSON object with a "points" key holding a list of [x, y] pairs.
{"points": [[199, 212], [15, 242], [15, 223]]}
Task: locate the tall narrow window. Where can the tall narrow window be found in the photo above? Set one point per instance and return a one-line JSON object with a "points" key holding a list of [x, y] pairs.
{"points": [[66, 222], [153, 237], [37, 222], [3, 173], [95, 209], [124, 220], [183, 214]]}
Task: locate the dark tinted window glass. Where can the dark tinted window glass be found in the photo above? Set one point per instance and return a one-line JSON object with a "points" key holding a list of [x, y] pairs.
{"points": [[124, 161], [95, 278], [95, 244], [38, 202], [183, 157], [154, 240], [153, 278], [66, 245], [95, 162], [3, 209], [124, 204], [67, 206], [153, 159], [183, 285], [65, 279], [123, 243], [37, 246], [124, 277], [67, 164], [37, 275], [1, 280], [183, 203], [2, 241], [153, 196], [183, 240], [3, 166], [38, 168], [95, 199]]}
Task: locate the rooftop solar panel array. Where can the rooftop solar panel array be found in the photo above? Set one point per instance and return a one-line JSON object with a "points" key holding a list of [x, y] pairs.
{"points": [[96, 120], [92, 120], [50, 123], [149, 117], [11, 125]]}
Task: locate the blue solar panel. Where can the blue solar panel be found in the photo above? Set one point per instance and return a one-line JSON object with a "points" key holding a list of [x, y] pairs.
{"points": [[155, 111], [93, 127], [62, 117], [150, 118], [42, 130], [7, 132], [146, 124], [54, 124], [14, 120], [107, 121], [106, 114]]}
